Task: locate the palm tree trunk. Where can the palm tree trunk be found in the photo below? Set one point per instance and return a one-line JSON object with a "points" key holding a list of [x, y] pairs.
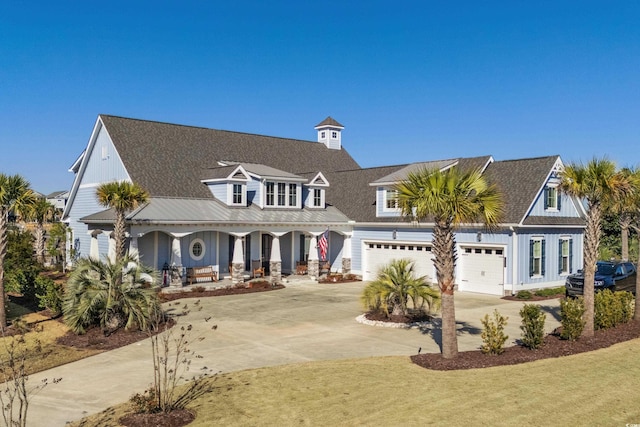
{"points": [[591, 243], [444, 252], [119, 231], [636, 310], [3, 252], [39, 243], [624, 236]]}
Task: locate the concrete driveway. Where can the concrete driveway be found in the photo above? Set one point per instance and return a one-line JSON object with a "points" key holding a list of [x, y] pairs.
{"points": [[304, 322]]}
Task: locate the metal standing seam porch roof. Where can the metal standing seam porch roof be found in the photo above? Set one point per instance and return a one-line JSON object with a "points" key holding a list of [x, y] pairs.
{"points": [[165, 210]]}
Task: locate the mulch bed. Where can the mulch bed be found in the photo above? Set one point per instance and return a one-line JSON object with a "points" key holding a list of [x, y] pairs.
{"points": [[532, 298], [553, 347], [171, 296], [394, 318], [177, 418]]}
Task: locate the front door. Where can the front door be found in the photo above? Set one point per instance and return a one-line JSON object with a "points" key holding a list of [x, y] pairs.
{"points": [[265, 255]]}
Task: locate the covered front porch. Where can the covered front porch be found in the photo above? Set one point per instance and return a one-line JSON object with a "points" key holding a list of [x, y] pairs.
{"points": [[237, 254]]}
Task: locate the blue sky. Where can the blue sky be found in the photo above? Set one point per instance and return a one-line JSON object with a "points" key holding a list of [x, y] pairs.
{"points": [[410, 81]]}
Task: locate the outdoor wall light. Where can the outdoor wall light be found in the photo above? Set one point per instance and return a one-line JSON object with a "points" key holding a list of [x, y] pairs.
{"points": [[479, 236], [394, 234]]}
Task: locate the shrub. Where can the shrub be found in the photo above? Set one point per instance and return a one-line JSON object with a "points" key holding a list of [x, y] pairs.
{"points": [[532, 326], [612, 308], [493, 337], [396, 285], [550, 292], [524, 295], [146, 402], [571, 312], [49, 294], [110, 294]]}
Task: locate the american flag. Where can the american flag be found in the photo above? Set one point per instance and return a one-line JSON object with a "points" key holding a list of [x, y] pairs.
{"points": [[323, 245]]}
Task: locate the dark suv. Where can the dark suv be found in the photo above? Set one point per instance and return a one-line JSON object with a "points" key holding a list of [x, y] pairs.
{"points": [[616, 276]]}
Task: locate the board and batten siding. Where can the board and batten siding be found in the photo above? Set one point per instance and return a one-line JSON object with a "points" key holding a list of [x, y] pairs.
{"points": [[567, 207], [210, 239], [551, 276], [103, 165]]}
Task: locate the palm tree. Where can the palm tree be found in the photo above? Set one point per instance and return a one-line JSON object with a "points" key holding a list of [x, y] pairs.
{"points": [[57, 243], [449, 198], [123, 197], [600, 185], [15, 196], [395, 285], [110, 294], [625, 209], [40, 211]]}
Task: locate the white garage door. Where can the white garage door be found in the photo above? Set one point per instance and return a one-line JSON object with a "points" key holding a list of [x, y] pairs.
{"points": [[482, 270], [377, 255]]}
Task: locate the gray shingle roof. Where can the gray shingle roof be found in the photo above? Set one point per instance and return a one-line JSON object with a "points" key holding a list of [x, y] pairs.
{"points": [[177, 210], [519, 181], [553, 220], [329, 121], [170, 160]]}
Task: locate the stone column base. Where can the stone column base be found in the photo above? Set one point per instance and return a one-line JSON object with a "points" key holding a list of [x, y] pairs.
{"points": [[314, 269], [275, 271], [346, 265], [237, 275]]}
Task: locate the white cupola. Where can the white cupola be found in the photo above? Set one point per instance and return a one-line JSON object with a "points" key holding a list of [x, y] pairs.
{"points": [[329, 133]]}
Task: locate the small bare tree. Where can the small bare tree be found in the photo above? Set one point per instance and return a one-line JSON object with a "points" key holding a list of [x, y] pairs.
{"points": [[16, 392]]}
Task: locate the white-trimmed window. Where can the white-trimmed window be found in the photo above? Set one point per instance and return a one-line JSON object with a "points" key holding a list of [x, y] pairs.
{"points": [[536, 257], [270, 193], [334, 135], [565, 255], [317, 196], [197, 249], [238, 192], [282, 194], [391, 200], [293, 195], [323, 135], [551, 199]]}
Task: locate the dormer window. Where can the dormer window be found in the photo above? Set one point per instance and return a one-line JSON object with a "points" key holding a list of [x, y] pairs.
{"points": [[334, 135], [391, 199], [270, 199], [293, 195], [281, 194], [317, 198], [238, 194], [323, 135], [551, 199]]}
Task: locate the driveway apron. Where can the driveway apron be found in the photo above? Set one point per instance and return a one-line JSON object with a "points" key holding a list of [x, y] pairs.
{"points": [[304, 322]]}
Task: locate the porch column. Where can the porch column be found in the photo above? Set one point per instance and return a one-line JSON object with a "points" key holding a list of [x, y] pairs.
{"points": [[275, 261], [112, 247], [313, 265], [346, 254], [94, 250], [133, 247], [176, 260], [237, 264]]}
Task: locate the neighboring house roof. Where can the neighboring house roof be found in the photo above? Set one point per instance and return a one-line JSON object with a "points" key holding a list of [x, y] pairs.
{"points": [[166, 210], [58, 194], [520, 181], [170, 160]]}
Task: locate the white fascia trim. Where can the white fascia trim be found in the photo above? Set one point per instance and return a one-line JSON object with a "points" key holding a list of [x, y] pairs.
{"points": [[541, 189], [322, 177], [486, 165], [74, 167]]}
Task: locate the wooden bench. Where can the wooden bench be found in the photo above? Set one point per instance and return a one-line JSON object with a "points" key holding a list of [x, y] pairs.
{"points": [[195, 273], [301, 268]]}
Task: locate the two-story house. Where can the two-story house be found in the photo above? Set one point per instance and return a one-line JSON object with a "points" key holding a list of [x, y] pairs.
{"points": [[229, 199]]}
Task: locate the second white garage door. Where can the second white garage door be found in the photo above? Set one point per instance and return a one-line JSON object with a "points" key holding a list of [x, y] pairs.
{"points": [[377, 255], [482, 270]]}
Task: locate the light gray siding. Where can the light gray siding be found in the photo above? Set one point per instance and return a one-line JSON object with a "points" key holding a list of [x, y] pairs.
{"points": [[219, 191], [567, 208]]}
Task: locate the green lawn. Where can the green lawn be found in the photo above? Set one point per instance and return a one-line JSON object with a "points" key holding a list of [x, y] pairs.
{"points": [[598, 388]]}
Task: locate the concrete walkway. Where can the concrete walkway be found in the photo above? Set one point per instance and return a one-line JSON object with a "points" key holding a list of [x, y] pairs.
{"points": [[304, 322]]}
